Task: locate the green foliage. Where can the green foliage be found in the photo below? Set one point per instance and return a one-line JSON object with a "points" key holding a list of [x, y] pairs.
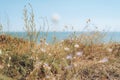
{"points": [[3, 77], [18, 66]]}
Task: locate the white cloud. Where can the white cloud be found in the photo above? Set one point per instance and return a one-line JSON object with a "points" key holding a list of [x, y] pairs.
{"points": [[55, 17]]}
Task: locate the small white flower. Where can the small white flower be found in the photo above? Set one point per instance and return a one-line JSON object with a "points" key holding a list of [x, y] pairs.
{"points": [[43, 50], [76, 46], [9, 58], [79, 53], [109, 50], [0, 51], [103, 60], [66, 49], [69, 57], [8, 65]]}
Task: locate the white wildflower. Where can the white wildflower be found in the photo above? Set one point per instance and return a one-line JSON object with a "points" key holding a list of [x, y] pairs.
{"points": [[66, 49], [79, 53], [8, 65], [9, 58], [103, 60], [0, 51], [76, 46], [69, 57], [109, 50], [43, 50]]}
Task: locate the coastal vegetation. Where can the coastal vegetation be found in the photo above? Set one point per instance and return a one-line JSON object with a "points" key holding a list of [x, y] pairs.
{"points": [[81, 57]]}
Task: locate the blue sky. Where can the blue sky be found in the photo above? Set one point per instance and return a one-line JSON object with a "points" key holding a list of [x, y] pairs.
{"points": [[105, 14]]}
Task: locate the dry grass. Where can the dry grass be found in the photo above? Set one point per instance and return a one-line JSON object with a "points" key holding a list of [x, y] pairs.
{"points": [[70, 59], [82, 57]]}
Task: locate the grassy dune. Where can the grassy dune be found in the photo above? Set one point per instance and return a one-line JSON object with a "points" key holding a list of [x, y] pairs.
{"points": [[79, 58]]}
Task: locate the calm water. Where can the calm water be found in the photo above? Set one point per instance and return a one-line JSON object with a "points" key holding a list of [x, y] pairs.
{"points": [[109, 36]]}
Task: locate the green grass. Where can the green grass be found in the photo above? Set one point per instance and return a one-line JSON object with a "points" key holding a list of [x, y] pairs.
{"points": [[3, 77]]}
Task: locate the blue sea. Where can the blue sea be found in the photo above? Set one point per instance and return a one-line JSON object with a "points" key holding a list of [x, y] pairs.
{"points": [[108, 36]]}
